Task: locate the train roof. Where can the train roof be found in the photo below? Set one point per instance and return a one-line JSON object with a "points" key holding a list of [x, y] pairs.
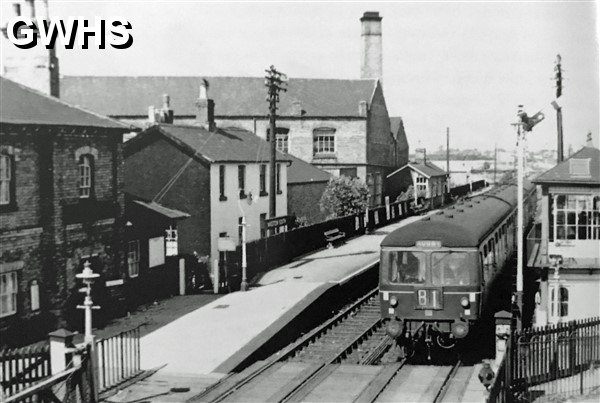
{"points": [[464, 224]]}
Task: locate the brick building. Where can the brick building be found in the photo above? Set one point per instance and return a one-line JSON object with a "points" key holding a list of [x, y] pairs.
{"points": [[563, 248], [60, 204], [339, 125], [215, 175]]}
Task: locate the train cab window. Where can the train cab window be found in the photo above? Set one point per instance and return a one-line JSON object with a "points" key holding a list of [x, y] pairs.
{"points": [[451, 268], [405, 266]]}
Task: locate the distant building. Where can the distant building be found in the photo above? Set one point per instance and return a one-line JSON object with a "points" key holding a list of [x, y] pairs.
{"points": [[564, 247], [428, 180], [305, 186], [60, 205], [215, 175], [339, 125]]}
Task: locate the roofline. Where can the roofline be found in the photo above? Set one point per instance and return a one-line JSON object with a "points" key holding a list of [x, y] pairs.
{"points": [[396, 171], [115, 130], [570, 182], [352, 117], [308, 182], [209, 76], [60, 101]]}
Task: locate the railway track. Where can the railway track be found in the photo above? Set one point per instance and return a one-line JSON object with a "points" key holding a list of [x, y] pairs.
{"points": [[334, 363]]}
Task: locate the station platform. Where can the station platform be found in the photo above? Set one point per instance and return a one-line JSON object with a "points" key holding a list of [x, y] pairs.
{"points": [[219, 336]]}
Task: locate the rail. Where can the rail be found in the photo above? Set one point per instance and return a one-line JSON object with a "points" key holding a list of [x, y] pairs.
{"points": [[23, 367]]}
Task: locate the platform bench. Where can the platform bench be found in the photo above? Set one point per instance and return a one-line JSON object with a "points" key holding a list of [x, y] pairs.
{"points": [[333, 235]]}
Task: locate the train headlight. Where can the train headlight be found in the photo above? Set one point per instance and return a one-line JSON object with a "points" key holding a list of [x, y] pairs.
{"points": [[464, 302], [393, 301], [459, 329]]}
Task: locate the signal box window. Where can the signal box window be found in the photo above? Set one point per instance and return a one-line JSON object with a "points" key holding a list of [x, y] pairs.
{"points": [[405, 267], [450, 268]]}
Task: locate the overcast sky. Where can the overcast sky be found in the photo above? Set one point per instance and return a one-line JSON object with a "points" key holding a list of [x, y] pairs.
{"points": [[466, 65]]}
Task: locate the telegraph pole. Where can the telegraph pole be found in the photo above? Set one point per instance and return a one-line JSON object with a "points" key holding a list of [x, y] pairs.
{"points": [[448, 159], [275, 82]]}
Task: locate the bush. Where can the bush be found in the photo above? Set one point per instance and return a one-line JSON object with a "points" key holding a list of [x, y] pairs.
{"points": [[344, 196]]}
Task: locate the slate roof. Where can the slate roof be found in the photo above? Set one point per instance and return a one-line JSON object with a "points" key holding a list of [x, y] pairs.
{"points": [[561, 172], [465, 224], [302, 172], [233, 96], [162, 210], [23, 105], [221, 145], [428, 169], [395, 124]]}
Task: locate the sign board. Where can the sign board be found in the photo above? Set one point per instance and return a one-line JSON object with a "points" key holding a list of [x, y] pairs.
{"points": [[156, 251], [225, 244]]}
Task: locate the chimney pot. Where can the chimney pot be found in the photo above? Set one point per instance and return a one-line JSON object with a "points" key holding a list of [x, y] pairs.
{"points": [[166, 101], [297, 108], [362, 108], [206, 108]]}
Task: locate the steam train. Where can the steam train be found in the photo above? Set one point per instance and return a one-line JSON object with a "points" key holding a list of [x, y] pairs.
{"points": [[440, 275]]}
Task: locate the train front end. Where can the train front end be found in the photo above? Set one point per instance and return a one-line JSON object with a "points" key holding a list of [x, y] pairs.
{"points": [[430, 293]]}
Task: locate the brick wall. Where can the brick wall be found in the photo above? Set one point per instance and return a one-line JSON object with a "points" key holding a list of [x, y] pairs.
{"points": [[303, 201], [39, 232]]}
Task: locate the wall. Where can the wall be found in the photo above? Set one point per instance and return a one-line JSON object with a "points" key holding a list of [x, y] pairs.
{"points": [[225, 214], [151, 167], [303, 200], [52, 229]]}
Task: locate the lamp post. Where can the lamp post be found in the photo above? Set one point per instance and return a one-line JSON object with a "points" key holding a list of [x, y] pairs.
{"points": [[88, 277], [244, 285]]}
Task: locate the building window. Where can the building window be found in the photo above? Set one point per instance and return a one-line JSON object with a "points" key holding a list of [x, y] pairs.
{"points": [[348, 172], [263, 180], [222, 196], [263, 225], [575, 217], [421, 186], [278, 178], [242, 180], [559, 298], [133, 258], [323, 141], [7, 189], [281, 138], [86, 176], [8, 293]]}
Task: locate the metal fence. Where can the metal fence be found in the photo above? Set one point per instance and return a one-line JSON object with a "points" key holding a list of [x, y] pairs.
{"points": [[267, 253], [118, 358], [553, 362], [23, 367]]}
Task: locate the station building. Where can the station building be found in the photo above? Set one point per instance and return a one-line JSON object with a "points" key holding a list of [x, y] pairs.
{"points": [[564, 247], [60, 205]]}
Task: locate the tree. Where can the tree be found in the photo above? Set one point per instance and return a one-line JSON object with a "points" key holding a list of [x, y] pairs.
{"points": [[344, 196]]}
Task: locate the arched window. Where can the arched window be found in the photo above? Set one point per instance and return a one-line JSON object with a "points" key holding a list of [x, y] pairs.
{"points": [[559, 299], [7, 190], [323, 141], [86, 176]]}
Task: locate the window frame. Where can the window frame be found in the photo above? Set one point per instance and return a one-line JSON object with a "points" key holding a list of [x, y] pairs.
{"points": [[566, 213], [133, 258], [10, 182], [11, 295], [222, 177], [262, 172], [242, 181], [278, 178], [324, 141], [86, 176]]}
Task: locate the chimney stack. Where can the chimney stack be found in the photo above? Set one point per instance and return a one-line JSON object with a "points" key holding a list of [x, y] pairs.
{"points": [[166, 111], [297, 108], [206, 108], [362, 108], [371, 64]]}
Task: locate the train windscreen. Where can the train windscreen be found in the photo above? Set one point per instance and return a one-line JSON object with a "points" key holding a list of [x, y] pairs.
{"points": [[453, 268], [405, 267]]}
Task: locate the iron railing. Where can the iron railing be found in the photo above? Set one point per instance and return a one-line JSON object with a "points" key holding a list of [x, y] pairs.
{"points": [[552, 362]]}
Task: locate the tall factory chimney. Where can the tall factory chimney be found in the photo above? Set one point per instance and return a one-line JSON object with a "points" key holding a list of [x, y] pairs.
{"points": [[371, 63]]}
